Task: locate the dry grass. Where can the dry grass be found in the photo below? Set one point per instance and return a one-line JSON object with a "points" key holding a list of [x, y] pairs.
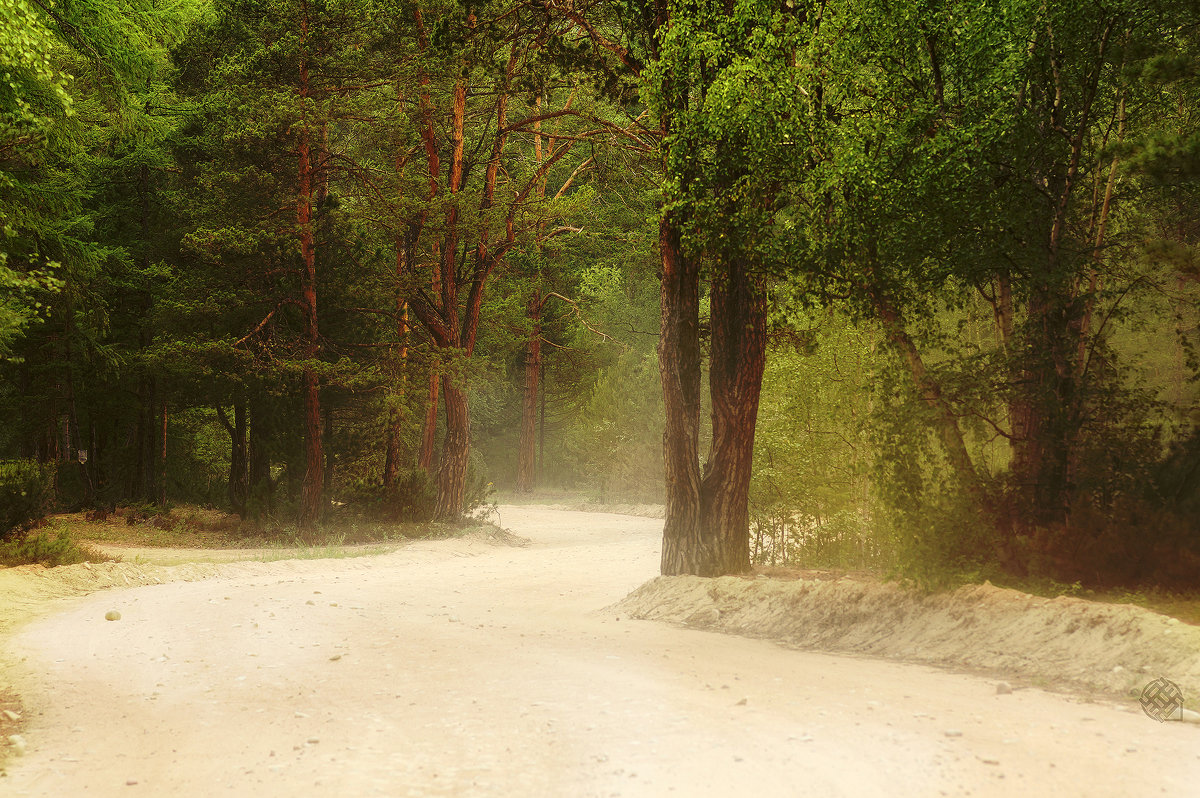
{"points": [[190, 533]]}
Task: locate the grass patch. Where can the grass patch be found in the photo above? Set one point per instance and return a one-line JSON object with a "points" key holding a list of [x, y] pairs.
{"points": [[332, 551], [1182, 605], [201, 528], [48, 547], [212, 535]]}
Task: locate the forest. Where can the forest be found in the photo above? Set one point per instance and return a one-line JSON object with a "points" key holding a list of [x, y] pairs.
{"points": [[906, 285]]}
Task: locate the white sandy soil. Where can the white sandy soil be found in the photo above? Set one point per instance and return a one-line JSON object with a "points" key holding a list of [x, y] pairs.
{"points": [[472, 668]]}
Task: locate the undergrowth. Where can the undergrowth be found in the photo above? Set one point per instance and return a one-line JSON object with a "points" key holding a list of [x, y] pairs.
{"points": [[46, 547]]}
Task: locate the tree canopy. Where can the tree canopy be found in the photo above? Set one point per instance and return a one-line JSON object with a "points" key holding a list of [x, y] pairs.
{"points": [[902, 284]]}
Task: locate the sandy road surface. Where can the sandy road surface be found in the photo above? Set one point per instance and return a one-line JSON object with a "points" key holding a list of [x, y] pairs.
{"points": [[454, 668]]}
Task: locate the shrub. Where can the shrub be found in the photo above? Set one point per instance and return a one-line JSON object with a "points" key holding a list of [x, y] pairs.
{"points": [[40, 547], [410, 498], [26, 496]]}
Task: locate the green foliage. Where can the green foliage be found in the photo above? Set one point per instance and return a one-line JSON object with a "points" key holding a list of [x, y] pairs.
{"points": [[936, 173], [737, 117], [616, 440], [33, 98], [40, 547], [410, 498], [811, 495], [26, 496]]}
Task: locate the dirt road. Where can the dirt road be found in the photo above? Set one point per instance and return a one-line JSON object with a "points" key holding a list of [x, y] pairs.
{"points": [[457, 668]]}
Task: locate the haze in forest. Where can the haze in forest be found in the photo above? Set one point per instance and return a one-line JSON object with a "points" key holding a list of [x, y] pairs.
{"points": [[895, 286]]}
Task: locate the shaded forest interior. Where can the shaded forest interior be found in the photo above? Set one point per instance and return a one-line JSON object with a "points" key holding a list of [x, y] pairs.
{"points": [[906, 286]]}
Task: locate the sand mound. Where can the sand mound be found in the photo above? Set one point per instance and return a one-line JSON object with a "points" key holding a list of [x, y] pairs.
{"points": [[1061, 642]]}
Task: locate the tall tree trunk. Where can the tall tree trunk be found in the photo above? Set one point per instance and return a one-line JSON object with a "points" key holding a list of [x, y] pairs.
{"points": [[452, 470], [452, 464], [1047, 366], [684, 549], [239, 474], [391, 454], [739, 341], [311, 498], [526, 451], [429, 428]]}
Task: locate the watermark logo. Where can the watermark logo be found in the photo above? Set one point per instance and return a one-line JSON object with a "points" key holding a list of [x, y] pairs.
{"points": [[1161, 699]]}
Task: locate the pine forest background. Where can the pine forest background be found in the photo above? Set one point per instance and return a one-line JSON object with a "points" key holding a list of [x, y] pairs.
{"points": [[314, 261]]}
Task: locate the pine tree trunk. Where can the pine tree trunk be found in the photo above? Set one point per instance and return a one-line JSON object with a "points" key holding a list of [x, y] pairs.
{"points": [[526, 452], [452, 470], [739, 315], [684, 550], [429, 429]]}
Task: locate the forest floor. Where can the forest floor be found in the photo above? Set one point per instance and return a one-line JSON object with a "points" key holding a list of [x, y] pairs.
{"points": [[492, 665]]}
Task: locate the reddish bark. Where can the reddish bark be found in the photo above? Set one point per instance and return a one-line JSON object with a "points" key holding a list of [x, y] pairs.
{"points": [[429, 429], [451, 319], [452, 468]]}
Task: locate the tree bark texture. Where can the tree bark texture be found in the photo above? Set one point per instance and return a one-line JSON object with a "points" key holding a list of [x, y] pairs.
{"points": [[739, 350], [684, 550], [429, 428], [452, 470]]}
